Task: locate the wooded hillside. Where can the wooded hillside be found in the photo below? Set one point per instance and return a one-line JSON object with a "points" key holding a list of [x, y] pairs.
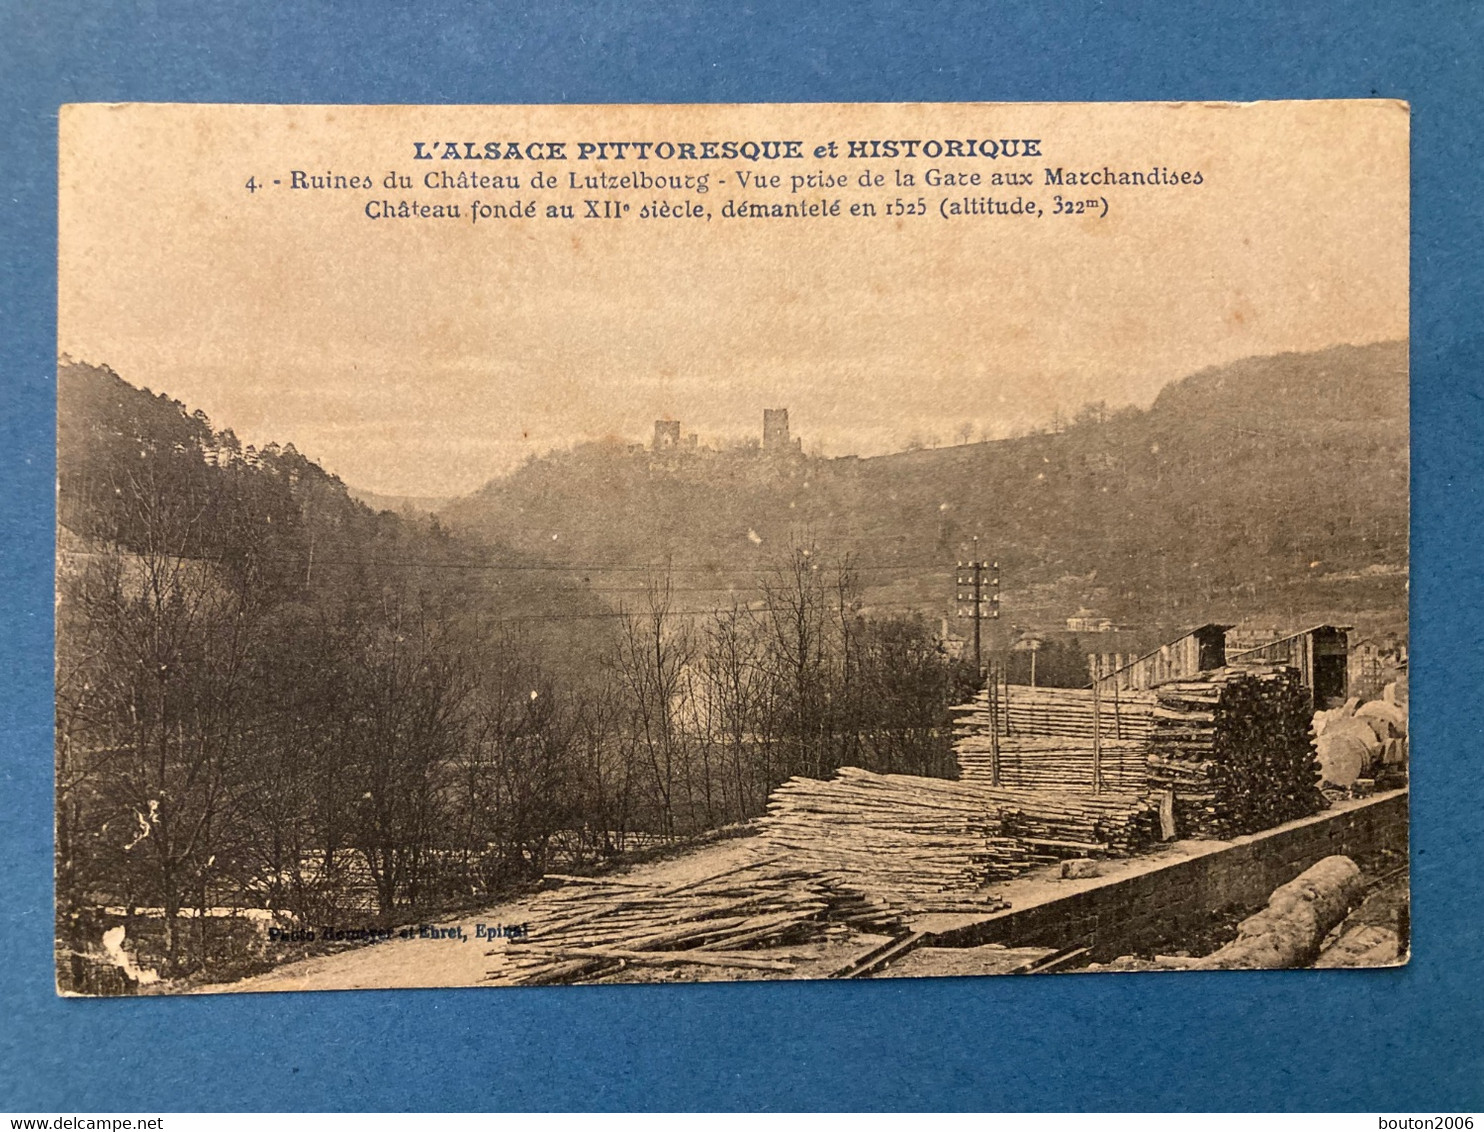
{"points": [[1275, 486]]}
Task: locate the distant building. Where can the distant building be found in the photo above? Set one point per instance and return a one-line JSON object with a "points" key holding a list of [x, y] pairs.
{"points": [[1374, 663], [951, 643], [666, 435], [1087, 621]]}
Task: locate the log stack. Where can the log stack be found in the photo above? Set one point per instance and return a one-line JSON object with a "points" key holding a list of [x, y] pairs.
{"points": [[862, 852], [919, 844], [925, 844], [744, 919], [1111, 824], [1052, 764], [1028, 713], [1045, 737], [1234, 745]]}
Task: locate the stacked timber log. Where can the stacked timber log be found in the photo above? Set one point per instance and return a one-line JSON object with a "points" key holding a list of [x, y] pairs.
{"points": [[591, 927], [927, 844], [1111, 824], [921, 844], [1052, 764], [1029, 712], [1234, 746], [1045, 737]]}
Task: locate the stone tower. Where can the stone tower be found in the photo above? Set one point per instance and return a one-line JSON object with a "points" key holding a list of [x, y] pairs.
{"points": [[775, 430], [666, 435]]}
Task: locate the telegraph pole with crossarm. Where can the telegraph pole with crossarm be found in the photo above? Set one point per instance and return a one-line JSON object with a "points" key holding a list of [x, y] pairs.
{"points": [[979, 586]]}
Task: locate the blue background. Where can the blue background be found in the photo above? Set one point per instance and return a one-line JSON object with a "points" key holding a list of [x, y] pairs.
{"points": [[1402, 1040]]}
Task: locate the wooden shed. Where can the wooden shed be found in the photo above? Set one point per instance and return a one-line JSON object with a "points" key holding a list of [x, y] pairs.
{"points": [[1321, 654], [1199, 650]]}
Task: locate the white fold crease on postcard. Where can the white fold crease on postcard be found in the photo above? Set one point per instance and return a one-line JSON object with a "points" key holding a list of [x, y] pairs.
{"points": [[526, 545]]}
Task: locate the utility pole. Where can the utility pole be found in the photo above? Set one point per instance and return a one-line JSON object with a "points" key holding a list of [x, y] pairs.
{"points": [[994, 722], [1097, 727], [979, 586]]}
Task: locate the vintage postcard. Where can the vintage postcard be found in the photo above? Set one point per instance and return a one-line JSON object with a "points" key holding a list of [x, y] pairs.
{"points": [[516, 545]]}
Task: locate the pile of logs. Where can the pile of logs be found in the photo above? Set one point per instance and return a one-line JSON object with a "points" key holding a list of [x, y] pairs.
{"points": [[1026, 712], [1234, 746], [591, 927], [1360, 743], [1051, 764], [860, 852], [922, 844], [1111, 824], [927, 844]]}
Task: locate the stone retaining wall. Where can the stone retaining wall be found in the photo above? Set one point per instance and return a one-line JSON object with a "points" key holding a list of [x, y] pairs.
{"points": [[1124, 914]]}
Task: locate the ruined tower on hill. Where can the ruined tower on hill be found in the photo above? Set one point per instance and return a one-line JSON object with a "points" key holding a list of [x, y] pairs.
{"points": [[775, 431]]}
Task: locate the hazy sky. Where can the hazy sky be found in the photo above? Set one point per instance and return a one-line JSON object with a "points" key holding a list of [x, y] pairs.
{"points": [[422, 357]]}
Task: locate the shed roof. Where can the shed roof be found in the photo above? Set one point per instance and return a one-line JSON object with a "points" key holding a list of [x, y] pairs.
{"points": [[1210, 625], [1293, 637]]}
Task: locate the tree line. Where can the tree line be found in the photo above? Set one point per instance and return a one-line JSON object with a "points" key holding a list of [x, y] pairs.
{"points": [[270, 697]]}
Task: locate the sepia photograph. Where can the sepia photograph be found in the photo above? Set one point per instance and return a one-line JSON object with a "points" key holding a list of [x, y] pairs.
{"points": [[525, 545]]}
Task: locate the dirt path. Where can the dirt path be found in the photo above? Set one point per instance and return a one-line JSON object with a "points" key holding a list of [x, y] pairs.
{"points": [[467, 961]]}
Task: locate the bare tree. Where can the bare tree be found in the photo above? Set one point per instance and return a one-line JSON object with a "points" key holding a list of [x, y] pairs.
{"points": [[731, 679], [523, 766], [653, 651], [409, 694], [801, 656]]}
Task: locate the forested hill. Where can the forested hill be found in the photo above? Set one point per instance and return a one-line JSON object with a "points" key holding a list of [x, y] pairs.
{"points": [[1274, 486], [140, 473]]}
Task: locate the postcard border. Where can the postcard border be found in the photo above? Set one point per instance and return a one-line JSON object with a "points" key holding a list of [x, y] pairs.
{"points": [[1162, 1042]]}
